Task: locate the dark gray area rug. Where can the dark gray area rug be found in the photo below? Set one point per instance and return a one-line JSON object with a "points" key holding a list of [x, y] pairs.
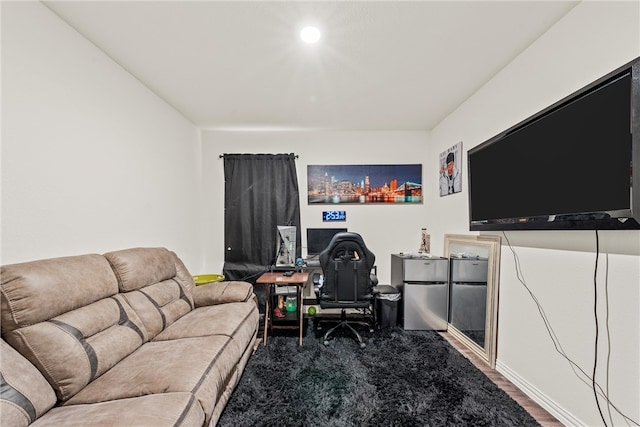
{"points": [[402, 378]]}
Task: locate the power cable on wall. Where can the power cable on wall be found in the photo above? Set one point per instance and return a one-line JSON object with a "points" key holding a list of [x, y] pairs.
{"points": [[597, 330], [608, 334], [606, 304], [558, 346]]}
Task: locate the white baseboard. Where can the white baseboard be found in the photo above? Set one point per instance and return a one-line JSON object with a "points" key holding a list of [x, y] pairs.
{"points": [[537, 396]]}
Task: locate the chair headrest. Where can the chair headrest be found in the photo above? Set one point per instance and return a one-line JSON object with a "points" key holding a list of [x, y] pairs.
{"points": [[351, 240]]}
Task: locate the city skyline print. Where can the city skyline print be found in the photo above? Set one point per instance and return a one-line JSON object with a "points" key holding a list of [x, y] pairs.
{"points": [[364, 184]]}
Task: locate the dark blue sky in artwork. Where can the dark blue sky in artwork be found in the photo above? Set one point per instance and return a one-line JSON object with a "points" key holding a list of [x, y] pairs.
{"points": [[378, 174]]}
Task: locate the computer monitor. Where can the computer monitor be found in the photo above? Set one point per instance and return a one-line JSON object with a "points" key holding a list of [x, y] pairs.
{"points": [[286, 246], [318, 239]]}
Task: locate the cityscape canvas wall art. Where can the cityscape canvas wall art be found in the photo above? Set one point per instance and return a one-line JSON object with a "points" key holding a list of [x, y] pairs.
{"points": [[364, 184]]}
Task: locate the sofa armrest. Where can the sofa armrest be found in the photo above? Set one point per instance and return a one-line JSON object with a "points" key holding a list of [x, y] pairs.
{"points": [[221, 293], [26, 394]]}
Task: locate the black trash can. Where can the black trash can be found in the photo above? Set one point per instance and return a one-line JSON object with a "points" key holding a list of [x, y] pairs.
{"points": [[387, 298]]}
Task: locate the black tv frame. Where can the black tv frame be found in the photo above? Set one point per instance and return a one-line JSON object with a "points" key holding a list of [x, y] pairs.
{"points": [[628, 219]]}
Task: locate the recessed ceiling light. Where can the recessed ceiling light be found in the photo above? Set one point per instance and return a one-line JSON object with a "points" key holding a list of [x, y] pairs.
{"points": [[310, 34]]}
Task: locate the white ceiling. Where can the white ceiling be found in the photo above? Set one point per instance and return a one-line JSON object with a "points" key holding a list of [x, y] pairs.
{"points": [[400, 65]]}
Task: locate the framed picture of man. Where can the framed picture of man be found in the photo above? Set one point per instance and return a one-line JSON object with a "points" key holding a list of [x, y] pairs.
{"points": [[450, 171]]}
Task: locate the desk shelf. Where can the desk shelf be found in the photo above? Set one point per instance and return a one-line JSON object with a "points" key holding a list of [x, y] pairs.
{"points": [[279, 285], [282, 321], [289, 316]]}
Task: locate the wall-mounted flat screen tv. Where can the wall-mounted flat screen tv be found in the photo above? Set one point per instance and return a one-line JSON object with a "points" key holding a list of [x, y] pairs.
{"points": [[571, 166]]}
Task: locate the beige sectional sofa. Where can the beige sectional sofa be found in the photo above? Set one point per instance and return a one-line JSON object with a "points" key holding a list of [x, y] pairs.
{"points": [[120, 339]]}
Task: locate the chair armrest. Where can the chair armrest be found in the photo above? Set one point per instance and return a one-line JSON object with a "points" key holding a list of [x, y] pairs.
{"points": [[374, 279], [317, 280], [373, 275], [221, 293]]}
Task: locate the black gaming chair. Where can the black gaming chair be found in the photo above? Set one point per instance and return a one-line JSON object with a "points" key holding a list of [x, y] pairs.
{"points": [[348, 281]]}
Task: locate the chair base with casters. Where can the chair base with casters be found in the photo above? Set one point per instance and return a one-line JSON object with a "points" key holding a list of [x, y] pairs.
{"points": [[347, 324]]}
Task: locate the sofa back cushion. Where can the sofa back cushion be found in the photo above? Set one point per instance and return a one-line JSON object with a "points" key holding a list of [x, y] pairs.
{"points": [[36, 291], [155, 284], [136, 268], [26, 395], [65, 316]]}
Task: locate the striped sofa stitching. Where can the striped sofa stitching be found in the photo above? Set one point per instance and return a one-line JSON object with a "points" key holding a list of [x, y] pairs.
{"points": [[126, 322], [91, 354], [183, 295], [246, 318], [11, 303], [213, 361], [249, 293], [228, 284], [116, 273], [10, 394], [249, 290], [185, 411], [158, 308]]}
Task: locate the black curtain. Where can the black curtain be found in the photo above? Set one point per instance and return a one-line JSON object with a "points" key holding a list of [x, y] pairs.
{"points": [[261, 192]]}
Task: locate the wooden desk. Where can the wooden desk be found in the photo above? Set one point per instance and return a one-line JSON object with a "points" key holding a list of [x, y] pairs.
{"points": [[278, 278]]}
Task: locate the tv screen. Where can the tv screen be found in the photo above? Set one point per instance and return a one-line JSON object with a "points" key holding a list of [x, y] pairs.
{"points": [[318, 238], [568, 167]]}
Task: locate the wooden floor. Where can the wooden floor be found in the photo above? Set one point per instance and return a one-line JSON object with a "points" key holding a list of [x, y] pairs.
{"points": [[536, 411]]}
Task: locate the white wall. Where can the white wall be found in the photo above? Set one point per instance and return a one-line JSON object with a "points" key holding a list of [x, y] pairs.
{"points": [[592, 40], [92, 161], [386, 229]]}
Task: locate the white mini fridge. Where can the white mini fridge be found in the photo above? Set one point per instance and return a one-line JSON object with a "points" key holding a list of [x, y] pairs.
{"points": [[424, 281]]}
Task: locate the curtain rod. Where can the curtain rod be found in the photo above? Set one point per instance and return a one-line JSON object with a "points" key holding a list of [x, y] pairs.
{"points": [[221, 156]]}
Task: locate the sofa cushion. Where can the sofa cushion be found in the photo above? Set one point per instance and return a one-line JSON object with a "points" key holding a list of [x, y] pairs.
{"points": [[201, 366], [155, 283], [157, 410], [74, 348], [221, 293], [136, 268], [64, 283], [159, 305], [236, 320], [26, 395]]}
